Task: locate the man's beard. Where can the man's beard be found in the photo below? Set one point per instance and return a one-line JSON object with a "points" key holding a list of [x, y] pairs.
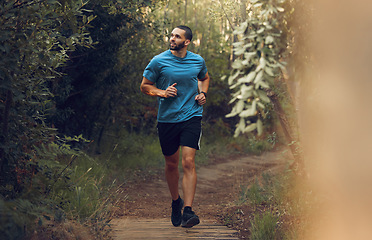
{"points": [[177, 46]]}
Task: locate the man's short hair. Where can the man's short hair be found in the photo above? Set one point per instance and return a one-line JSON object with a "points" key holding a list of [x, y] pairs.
{"points": [[188, 32]]}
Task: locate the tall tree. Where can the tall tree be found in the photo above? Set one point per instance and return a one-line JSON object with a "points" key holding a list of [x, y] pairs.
{"points": [[36, 38]]}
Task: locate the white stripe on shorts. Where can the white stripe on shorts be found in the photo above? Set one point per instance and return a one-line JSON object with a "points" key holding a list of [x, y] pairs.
{"points": [[201, 131]]}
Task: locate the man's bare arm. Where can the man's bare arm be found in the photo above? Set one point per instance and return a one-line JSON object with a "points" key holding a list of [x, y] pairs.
{"points": [[203, 85], [149, 88]]}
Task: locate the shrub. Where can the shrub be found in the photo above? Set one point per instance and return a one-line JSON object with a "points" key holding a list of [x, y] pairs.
{"points": [[264, 227]]}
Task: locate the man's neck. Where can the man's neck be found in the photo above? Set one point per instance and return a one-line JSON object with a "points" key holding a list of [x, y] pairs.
{"points": [[180, 53]]}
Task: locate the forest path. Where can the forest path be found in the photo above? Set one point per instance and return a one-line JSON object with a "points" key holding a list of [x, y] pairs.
{"points": [[145, 208]]}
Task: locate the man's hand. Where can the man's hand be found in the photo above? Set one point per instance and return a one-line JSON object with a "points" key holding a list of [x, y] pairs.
{"points": [[171, 91], [200, 98]]}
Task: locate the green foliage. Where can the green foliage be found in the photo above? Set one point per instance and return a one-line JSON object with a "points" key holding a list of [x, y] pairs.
{"points": [[36, 38], [101, 85], [282, 206], [259, 50], [127, 151], [270, 190], [254, 195], [66, 184], [264, 227], [19, 215], [74, 68]]}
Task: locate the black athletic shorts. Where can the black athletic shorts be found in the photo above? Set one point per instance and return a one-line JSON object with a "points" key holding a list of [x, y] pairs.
{"points": [[174, 135]]}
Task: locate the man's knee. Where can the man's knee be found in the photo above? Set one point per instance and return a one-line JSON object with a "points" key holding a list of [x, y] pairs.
{"points": [[171, 163], [171, 166], [188, 163]]}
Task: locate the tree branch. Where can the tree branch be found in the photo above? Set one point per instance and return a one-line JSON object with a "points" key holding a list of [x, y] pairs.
{"points": [[228, 19]]}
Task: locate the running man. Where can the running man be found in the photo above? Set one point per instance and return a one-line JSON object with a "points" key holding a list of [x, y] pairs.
{"points": [[180, 80]]}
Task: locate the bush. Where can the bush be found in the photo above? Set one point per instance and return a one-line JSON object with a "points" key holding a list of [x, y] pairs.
{"points": [[281, 205], [264, 227], [62, 184], [254, 195]]}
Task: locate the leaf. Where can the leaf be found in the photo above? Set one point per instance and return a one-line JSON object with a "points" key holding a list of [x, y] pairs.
{"points": [[245, 95], [233, 99], [248, 56], [269, 39], [232, 114], [248, 45], [252, 35], [248, 78], [245, 113], [237, 64], [254, 108], [241, 29], [259, 127], [246, 88], [232, 77], [250, 128], [263, 96], [267, 25], [262, 64], [251, 76], [258, 4], [239, 51], [91, 18], [269, 71], [261, 105], [261, 30], [234, 86], [236, 109], [258, 77], [241, 125], [240, 106], [262, 84], [246, 92], [245, 62], [237, 44]]}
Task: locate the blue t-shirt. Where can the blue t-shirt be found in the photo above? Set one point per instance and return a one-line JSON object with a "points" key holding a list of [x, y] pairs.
{"points": [[166, 69]]}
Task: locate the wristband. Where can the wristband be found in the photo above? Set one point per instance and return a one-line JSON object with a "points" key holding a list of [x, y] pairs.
{"points": [[205, 95]]}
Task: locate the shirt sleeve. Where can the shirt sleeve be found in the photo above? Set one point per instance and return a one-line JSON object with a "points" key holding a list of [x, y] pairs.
{"points": [[151, 71], [203, 70]]}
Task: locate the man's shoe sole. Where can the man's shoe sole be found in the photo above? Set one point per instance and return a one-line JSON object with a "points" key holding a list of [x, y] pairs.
{"points": [[191, 222]]}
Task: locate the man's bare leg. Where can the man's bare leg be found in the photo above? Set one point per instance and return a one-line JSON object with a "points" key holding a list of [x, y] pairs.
{"points": [[172, 174], [189, 175], [189, 218]]}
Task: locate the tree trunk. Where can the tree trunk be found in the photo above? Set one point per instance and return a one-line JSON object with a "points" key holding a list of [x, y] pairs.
{"points": [[164, 22], [288, 132], [185, 12], [4, 135]]}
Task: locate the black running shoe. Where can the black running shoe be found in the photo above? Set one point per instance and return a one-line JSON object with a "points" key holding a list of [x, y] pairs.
{"points": [[177, 212], [189, 219]]}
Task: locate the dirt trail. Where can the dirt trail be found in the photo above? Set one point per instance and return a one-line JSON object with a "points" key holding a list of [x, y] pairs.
{"points": [[145, 208]]}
